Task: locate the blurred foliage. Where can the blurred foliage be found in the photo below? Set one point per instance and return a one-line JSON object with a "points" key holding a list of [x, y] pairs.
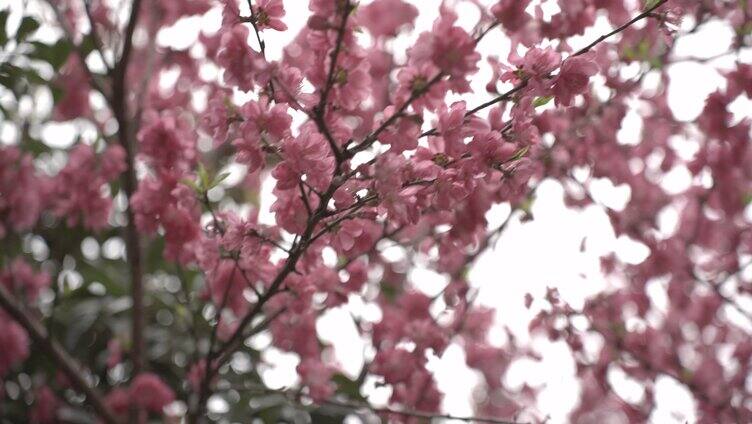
{"points": [[89, 303]]}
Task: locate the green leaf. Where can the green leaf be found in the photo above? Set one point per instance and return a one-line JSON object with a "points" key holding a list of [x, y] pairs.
{"points": [[219, 178], [540, 101], [57, 93], [519, 154], [190, 183], [28, 26], [87, 45], [11, 77], [3, 21], [348, 387], [55, 54], [650, 3], [203, 177]]}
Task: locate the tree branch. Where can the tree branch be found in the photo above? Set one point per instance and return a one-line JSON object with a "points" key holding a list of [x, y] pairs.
{"points": [[319, 111], [508, 95], [416, 414], [126, 138], [72, 369]]}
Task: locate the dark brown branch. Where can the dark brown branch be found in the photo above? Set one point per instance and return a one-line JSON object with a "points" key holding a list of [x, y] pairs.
{"points": [[262, 45], [371, 138], [508, 95], [644, 14], [126, 138], [294, 394], [416, 414], [93, 80], [98, 45], [62, 359], [319, 111]]}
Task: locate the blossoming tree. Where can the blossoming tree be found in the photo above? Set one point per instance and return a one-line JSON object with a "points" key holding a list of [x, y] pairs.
{"points": [[135, 275]]}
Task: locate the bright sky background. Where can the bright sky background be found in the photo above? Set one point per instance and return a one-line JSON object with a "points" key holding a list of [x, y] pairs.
{"points": [[529, 257]]}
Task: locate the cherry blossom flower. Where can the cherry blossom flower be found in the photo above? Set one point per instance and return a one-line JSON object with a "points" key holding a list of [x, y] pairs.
{"points": [[149, 391], [386, 18], [573, 78]]}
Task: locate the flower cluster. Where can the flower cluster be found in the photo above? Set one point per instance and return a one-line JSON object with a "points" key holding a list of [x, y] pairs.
{"points": [[262, 194]]}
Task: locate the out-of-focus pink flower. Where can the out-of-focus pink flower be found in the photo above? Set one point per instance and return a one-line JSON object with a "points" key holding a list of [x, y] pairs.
{"points": [[395, 365], [45, 407], [242, 64], [448, 47], [149, 391], [118, 400], [269, 14], [385, 18], [535, 65], [307, 155], [167, 142], [78, 192], [511, 14], [15, 343], [74, 82], [317, 376], [740, 80], [21, 279], [573, 78], [23, 192]]}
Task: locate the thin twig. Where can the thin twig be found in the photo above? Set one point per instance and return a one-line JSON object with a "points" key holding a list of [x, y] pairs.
{"points": [[416, 414], [319, 111], [72, 369], [508, 95]]}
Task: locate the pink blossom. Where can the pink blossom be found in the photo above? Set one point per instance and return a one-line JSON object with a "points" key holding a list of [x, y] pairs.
{"points": [[290, 211], [22, 191], [118, 400], [166, 203], [511, 14], [219, 117], [490, 361], [230, 14], [740, 80], [21, 279], [167, 142], [395, 365], [79, 194], [269, 14], [448, 47], [573, 78], [451, 127], [415, 78], [263, 127], [15, 342], [149, 391], [402, 136], [272, 123], [535, 65], [307, 155], [171, 11], [352, 85], [296, 332], [75, 84], [241, 63], [45, 407], [355, 235], [317, 377], [385, 18], [226, 286]]}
